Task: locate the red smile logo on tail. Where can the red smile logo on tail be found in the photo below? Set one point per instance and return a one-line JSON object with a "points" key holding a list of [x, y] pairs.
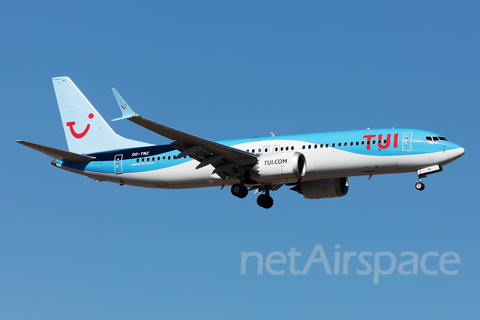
{"points": [[79, 135]]}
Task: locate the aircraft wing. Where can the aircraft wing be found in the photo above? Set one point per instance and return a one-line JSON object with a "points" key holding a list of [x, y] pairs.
{"points": [[225, 159], [57, 153]]}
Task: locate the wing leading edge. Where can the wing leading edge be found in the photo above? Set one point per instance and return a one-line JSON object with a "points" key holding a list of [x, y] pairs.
{"points": [[226, 160]]}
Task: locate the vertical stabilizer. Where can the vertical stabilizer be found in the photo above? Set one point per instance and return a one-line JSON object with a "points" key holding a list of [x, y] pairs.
{"points": [[85, 129]]}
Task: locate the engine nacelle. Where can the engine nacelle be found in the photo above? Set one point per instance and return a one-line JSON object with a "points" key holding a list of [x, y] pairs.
{"points": [[281, 166], [322, 188]]}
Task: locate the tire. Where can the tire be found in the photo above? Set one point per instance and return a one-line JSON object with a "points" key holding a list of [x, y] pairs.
{"points": [[265, 201], [239, 190], [419, 186]]}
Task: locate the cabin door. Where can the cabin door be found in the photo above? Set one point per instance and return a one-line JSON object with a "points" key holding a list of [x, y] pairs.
{"points": [[407, 141], [117, 163]]}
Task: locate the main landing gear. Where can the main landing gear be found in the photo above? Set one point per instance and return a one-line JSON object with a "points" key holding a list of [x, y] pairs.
{"points": [[239, 190], [264, 200]]}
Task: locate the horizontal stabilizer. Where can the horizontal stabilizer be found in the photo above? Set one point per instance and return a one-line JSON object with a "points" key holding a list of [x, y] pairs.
{"points": [[57, 153]]}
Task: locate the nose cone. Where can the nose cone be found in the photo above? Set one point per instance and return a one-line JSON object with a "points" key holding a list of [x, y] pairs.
{"points": [[455, 153], [460, 152]]}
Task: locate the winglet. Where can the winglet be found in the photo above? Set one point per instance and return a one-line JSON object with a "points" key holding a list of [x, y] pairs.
{"points": [[127, 112]]}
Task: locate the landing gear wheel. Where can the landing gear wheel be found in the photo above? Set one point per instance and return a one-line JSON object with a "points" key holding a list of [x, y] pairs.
{"points": [[265, 201], [419, 186], [239, 190]]}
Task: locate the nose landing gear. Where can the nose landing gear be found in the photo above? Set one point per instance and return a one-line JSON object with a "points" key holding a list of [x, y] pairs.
{"points": [[422, 173], [419, 186]]}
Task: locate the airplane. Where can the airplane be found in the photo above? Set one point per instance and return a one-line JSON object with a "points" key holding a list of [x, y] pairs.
{"points": [[316, 165]]}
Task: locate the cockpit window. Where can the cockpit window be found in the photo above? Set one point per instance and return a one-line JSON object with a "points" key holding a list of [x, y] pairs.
{"points": [[435, 138]]}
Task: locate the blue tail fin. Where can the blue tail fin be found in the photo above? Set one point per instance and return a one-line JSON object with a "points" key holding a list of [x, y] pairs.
{"points": [[85, 129]]}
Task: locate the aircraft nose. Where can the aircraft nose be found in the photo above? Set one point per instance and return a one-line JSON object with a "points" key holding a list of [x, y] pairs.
{"points": [[457, 153]]}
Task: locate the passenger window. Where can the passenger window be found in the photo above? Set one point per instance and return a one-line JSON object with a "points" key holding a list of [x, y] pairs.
{"points": [[333, 145], [315, 146], [168, 158], [326, 146], [303, 147], [321, 146], [356, 143], [345, 144], [276, 149], [286, 148], [138, 160], [158, 158], [292, 148], [309, 146], [373, 141], [143, 159], [351, 144]]}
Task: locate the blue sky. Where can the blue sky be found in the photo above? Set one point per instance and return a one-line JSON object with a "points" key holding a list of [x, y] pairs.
{"points": [[71, 248]]}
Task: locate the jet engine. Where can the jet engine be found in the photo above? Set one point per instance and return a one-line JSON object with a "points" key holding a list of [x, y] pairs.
{"points": [[281, 166], [322, 188]]}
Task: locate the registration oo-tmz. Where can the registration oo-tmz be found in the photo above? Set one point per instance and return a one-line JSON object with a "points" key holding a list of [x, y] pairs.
{"points": [[384, 262]]}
